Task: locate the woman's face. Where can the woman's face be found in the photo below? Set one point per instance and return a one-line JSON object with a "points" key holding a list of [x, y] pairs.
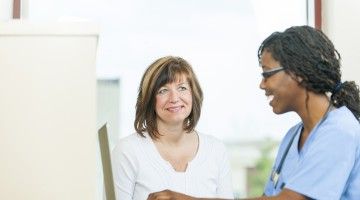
{"points": [[282, 89], [173, 102]]}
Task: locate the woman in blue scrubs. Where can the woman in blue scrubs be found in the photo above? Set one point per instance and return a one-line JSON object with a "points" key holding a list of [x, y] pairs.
{"points": [[319, 158]]}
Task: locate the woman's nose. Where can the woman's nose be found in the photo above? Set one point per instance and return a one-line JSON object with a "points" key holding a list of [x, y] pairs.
{"points": [[174, 96], [262, 84]]}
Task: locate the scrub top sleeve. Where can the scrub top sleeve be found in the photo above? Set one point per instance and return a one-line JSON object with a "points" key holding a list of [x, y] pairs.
{"points": [[325, 164]]}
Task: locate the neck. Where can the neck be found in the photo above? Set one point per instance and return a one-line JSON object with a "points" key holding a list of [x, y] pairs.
{"points": [[176, 146], [171, 134], [316, 109]]}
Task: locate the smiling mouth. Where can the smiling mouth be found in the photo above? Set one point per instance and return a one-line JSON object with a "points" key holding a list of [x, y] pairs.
{"points": [[174, 109], [270, 97]]}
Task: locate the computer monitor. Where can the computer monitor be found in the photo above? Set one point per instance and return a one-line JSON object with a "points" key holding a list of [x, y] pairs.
{"points": [[106, 163]]}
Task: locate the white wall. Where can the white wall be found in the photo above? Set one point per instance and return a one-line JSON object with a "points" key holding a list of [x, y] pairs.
{"points": [[6, 9], [47, 111], [341, 22]]}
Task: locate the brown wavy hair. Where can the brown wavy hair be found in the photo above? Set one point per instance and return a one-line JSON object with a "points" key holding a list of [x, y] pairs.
{"points": [[165, 70]]}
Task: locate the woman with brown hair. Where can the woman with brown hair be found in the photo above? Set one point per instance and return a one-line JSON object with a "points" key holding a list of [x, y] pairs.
{"points": [[166, 152]]}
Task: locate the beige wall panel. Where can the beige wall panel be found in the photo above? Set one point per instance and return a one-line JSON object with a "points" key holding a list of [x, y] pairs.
{"points": [[341, 22], [47, 111]]}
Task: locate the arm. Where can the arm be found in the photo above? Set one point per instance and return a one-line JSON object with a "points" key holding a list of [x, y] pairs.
{"points": [[224, 187], [285, 194], [124, 168], [170, 195]]}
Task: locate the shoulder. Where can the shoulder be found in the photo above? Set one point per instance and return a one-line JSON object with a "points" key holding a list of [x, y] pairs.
{"points": [[212, 151], [211, 143], [342, 123], [129, 151], [290, 134], [340, 129], [130, 139], [129, 143], [210, 139]]}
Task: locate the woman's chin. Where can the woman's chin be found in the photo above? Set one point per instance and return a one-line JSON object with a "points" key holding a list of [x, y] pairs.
{"points": [[275, 109]]}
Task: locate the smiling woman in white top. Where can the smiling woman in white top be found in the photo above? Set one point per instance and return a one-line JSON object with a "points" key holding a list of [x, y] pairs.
{"points": [[166, 152]]}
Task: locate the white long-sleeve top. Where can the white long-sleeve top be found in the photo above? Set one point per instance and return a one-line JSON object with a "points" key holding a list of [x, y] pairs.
{"points": [[139, 170]]}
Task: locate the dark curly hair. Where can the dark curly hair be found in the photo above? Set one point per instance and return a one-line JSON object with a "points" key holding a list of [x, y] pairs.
{"points": [[308, 53]]}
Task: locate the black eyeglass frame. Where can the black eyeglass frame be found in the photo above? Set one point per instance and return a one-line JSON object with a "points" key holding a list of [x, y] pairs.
{"points": [[267, 74]]}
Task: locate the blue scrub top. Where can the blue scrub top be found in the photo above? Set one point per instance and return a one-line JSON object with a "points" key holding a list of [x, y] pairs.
{"points": [[328, 165]]}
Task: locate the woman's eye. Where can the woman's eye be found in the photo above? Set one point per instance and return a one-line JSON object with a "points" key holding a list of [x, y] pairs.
{"points": [[162, 91], [182, 88]]}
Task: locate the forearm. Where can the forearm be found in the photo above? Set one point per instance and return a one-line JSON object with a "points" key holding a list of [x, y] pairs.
{"points": [[167, 194], [285, 194]]}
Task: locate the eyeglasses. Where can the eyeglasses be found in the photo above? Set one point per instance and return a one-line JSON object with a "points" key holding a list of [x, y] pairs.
{"points": [[267, 74]]}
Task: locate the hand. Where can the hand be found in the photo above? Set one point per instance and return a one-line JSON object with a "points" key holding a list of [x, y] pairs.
{"points": [[169, 195]]}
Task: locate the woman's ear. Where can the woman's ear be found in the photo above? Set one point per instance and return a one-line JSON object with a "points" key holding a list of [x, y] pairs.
{"points": [[298, 79]]}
